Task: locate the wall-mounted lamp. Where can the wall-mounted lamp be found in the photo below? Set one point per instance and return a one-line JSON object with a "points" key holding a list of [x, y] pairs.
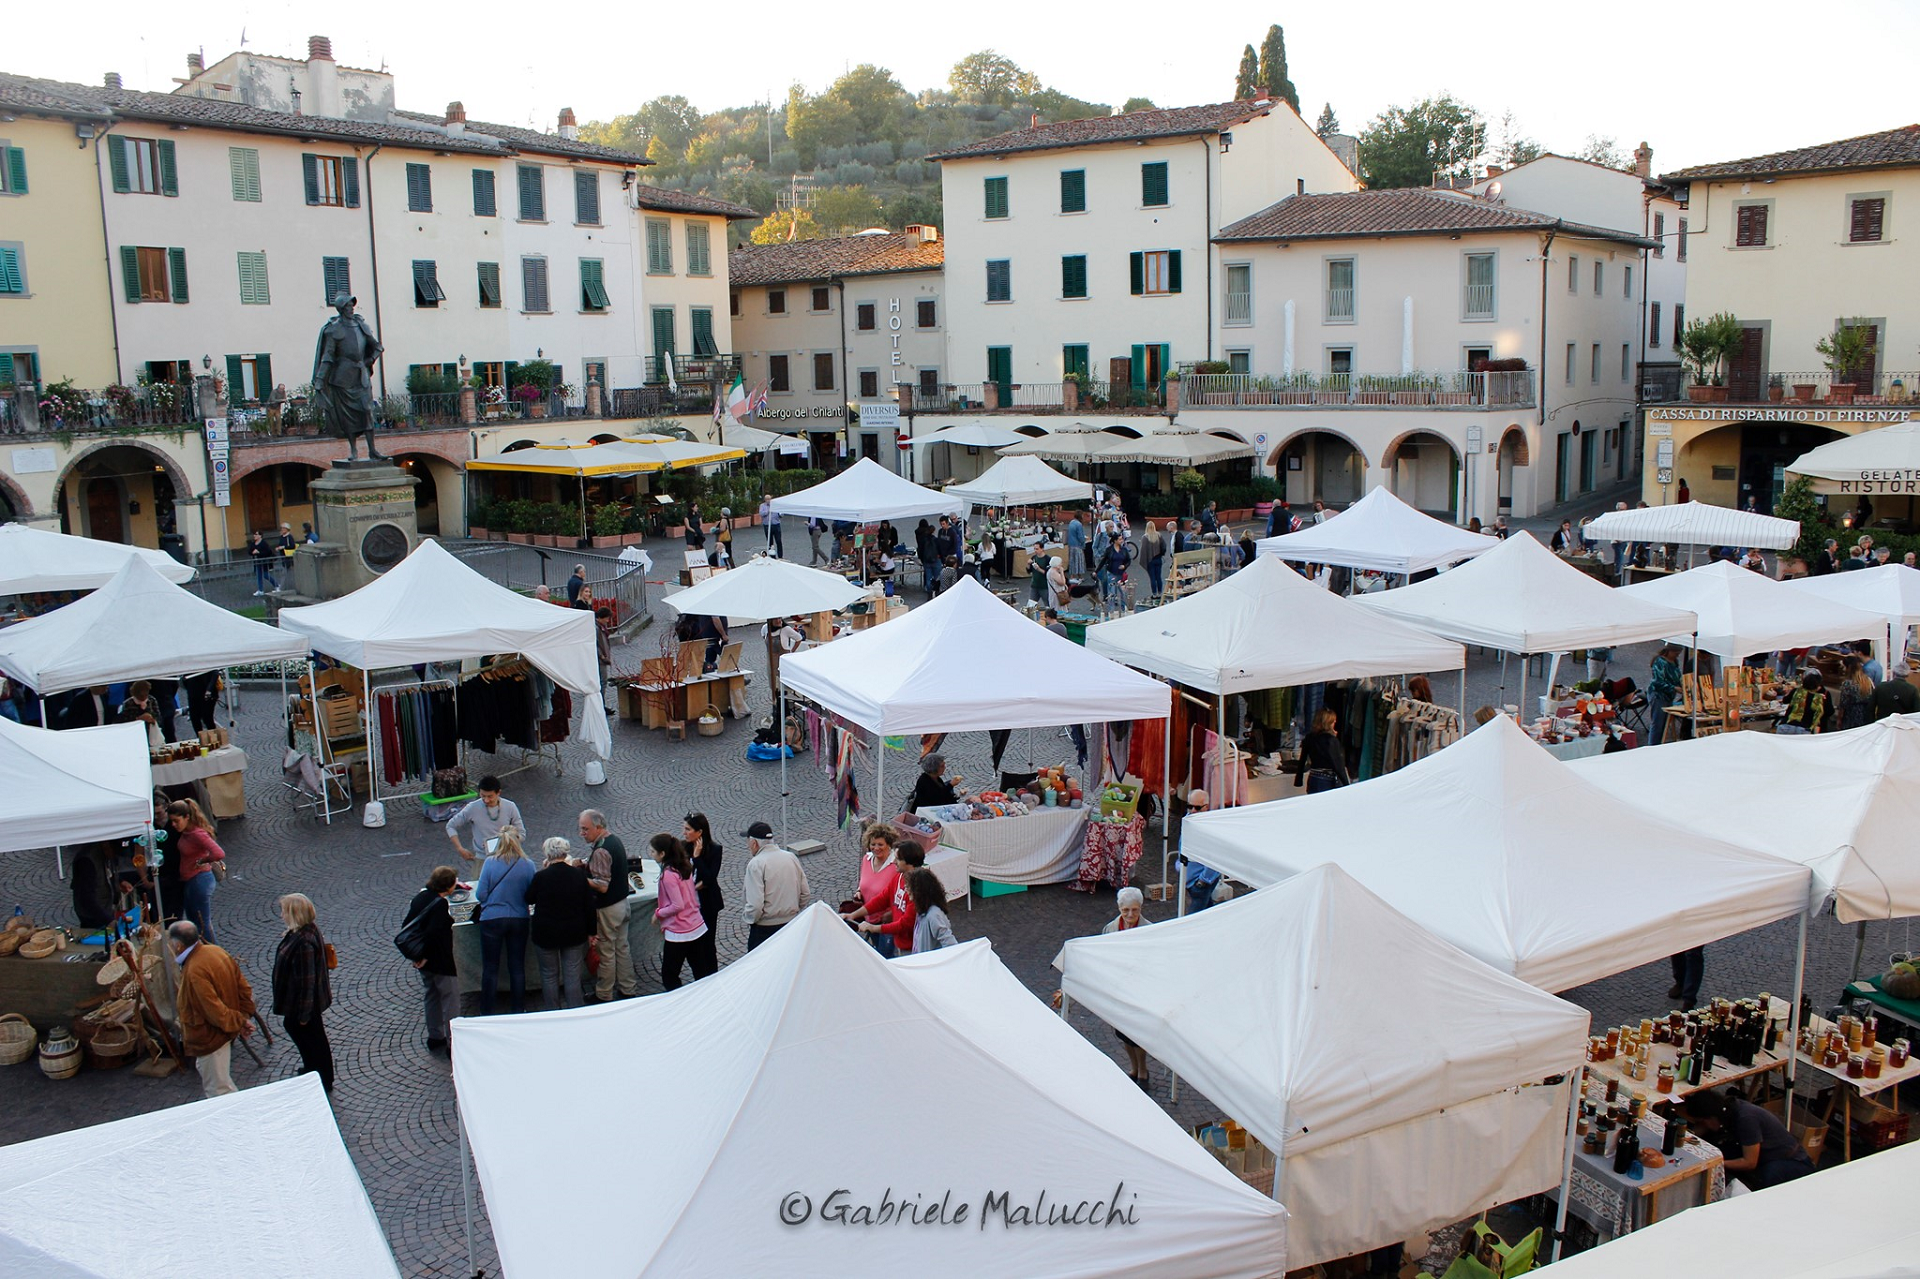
{"points": [[206, 362]]}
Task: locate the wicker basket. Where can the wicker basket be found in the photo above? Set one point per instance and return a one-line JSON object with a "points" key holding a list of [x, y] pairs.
{"points": [[110, 1047], [18, 1039], [42, 944], [10, 941]]}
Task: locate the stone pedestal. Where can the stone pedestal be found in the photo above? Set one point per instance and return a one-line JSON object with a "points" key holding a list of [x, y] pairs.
{"points": [[363, 513]]}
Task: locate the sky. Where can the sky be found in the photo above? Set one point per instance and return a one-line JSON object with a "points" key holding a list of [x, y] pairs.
{"points": [[1701, 82]]}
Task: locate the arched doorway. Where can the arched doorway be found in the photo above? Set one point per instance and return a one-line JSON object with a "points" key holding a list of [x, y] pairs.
{"points": [[1514, 453], [1423, 470], [1729, 464], [437, 506], [120, 493], [1320, 466]]}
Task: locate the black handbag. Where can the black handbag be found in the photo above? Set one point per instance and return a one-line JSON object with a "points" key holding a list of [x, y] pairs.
{"points": [[411, 940]]}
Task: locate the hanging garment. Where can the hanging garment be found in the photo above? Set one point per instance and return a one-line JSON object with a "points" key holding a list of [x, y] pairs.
{"points": [[445, 730], [998, 738], [558, 724], [1146, 754]]}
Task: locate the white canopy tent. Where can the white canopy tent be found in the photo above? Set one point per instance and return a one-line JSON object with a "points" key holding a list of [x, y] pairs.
{"points": [[1024, 480], [1076, 443], [137, 625], [1742, 612], [1254, 1000], [1486, 844], [867, 491], [1891, 590], [432, 608], [1845, 805], [1693, 524], [1853, 1221], [35, 559], [979, 435], [765, 587], [1173, 447], [754, 440], [266, 1187], [750, 1175], [1382, 533], [1885, 461], [73, 787]]}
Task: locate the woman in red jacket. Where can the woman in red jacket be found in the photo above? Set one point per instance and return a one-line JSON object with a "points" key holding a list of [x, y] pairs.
{"points": [[907, 858], [879, 880], [198, 854]]}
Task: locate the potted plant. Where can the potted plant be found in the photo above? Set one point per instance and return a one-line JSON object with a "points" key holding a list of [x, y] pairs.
{"points": [[1071, 387], [1189, 483], [1843, 351], [1776, 389], [1704, 348], [1803, 392], [531, 399], [477, 516], [607, 521], [1372, 389]]}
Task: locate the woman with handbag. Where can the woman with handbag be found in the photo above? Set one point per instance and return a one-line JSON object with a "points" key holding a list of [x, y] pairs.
{"points": [[426, 939], [201, 861], [688, 940], [505, 922], [302, 990], [1323, 760]]}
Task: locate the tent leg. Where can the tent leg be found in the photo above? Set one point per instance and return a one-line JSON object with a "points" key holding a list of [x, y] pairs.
{"points": [[1793, 1013], [1859, 950], [466, 1189], [1066, 1005], [1524, 717], [1220, 733], [1566, 1168], [784, 836], [1166, 805], [1279, 1155], [60, 864], [1461, 705], [159, 906]]}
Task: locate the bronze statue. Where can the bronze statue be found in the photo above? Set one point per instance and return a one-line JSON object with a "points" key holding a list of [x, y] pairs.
{"points": [[342, 376]]}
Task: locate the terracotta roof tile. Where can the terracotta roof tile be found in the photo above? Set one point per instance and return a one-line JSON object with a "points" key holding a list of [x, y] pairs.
{"points": [[180, 108], [24, 93], [1135, 126], [843, 255], [1405, 211], [534, 140], [1894, 148], [665, 201]]}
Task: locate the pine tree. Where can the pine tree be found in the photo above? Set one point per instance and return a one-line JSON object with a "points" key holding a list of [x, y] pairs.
{"points": [[1328, 123], [1273, 68], [1248, 81]]}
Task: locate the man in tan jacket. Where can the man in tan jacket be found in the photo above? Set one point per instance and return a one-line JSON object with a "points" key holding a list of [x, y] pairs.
{"points": [[215, 1003]]}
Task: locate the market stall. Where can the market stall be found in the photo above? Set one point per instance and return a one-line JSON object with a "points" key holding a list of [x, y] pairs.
{"points": [[616, 459], [255, 1183], [1890, 590], [1022, 480], [1691, 524], [972, 436], [1382, 533], [1742, 612], [35, 560], [866, 491], [1462, 1107], [432, 609], [1488, 842], [753, 1176], [643, 931]]}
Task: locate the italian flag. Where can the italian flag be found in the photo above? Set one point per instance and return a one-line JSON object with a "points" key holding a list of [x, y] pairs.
{"points": [[737, 404]]}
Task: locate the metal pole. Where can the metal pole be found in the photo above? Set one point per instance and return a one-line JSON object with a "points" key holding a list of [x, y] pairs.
{"points": [[1166, 797], [1279, 1152], [159, 907], [466, 1185], [1220, 733], [880, 773], [1859, 949], [784, 837], [1566, 1167], [1066, 1004], [1793, 1013], [1461, 705]]}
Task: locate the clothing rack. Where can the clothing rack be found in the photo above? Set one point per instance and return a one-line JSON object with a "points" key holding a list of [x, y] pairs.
{"points": [[523, 758], [377, 756]]}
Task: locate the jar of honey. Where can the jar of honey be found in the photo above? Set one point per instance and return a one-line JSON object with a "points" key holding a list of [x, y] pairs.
{"points": [[1613, 1037], [1876, 1061], [1856, 1066], [1870, 1031], [1829, 1057], [1898, 1057], [1666, 1079]]}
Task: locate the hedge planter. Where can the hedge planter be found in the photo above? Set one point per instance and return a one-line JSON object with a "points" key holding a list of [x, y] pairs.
{"points": [[477, 533], [606, 543], [524, 539], [1707, 394]]}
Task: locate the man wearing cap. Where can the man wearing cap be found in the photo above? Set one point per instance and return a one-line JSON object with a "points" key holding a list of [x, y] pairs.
{"points": [[775, 888], [342, 375], [1896, 696]]}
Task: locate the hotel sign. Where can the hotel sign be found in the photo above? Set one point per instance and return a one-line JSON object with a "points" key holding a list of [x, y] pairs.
{"points": [[1867, 417]]}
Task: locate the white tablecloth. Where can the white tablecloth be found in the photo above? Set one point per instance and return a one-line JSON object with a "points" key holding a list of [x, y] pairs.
{"points": [[1043, 847], [951, 867], [228, 759]]}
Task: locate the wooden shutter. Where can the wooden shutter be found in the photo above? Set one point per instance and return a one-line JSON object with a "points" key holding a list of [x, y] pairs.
{"points": [[243, 167], [1746, 370], [177, 273], [419, 188], [586, 196], [703, 343], [1153, 183], [17, 170], [426, 284], [1867, 220], [263, 375], [484, 205], [1137, 273], [489, 284], [130, 272], [117, 162], [1073, 276], [169, 170], [1073, 191], [532, 196], [699, 256], [6, 367], [253, 279], [662, 333], [533, 283], [996, 191], [1139, 367], [310, 170], [11, 278], [1751, 226], [999, 280], [1653, 324], [236, 380], [350, 180], [336, 277], [1173, 271], [593, 285]]}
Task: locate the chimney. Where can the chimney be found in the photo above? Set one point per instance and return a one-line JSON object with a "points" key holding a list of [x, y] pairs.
{"points": [[456, 113], [569, 125], [196, 66], [1261, 95], [1495, 170], [319, 49], [923, 232], [113, 80], [323, 79], [1643, 160]]}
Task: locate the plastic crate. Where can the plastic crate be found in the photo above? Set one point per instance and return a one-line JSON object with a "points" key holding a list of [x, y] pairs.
{"points": [[983, 888], [442, 808]]}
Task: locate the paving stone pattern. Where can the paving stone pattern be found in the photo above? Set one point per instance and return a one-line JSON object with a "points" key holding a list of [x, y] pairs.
{"points": [[395, 1102]]}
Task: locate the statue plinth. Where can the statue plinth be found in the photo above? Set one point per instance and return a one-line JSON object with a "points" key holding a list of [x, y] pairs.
{"points": [[363, 514]]}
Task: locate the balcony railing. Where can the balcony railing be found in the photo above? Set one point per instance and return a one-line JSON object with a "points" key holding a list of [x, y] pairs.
{"points": [[1460, 390], [1239, 307], [1035, 398], [1340, 304], [1890, 386], [1477, 304], [694, 368]]}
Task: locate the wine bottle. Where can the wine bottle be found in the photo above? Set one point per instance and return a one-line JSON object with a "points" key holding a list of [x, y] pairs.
{"points": [[1628, 1149]]}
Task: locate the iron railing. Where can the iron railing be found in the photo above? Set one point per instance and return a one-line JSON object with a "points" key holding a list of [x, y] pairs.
{"points": [[1885, 386], [1239, 306], [1506, 389], [695, 368]]}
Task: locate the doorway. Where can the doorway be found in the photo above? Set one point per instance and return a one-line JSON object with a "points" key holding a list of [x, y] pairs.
{"points": [[105, 520]]}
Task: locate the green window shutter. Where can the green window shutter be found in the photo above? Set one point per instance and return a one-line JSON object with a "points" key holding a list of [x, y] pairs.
{"points": [[1073, 359], [703, 343], [350, 180], [426, 284], [169, 170], [484, 205], [236, 380], [662, 333], [6, 367], [1153, 183], [263, 374], [593, 290], [699, 259], [253, 279], [17, 170], [336, 278], [419, 188], [533, 201], [489, 284], [996, 194], [1073, 276], [1138, 365], [130, 271], [533, 284], [586, 196], [243, 167], [1173, 271], [310, 166], [177, 273], [11, 279], [1137, 273], [117, 162], [1073, 191]]}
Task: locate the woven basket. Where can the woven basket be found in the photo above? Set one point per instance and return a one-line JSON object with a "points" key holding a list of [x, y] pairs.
{"points": [[38, 949], [110, 1047], [10, 941], [18, 1039]]}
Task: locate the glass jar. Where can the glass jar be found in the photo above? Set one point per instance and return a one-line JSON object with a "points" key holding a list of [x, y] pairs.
{"points": [[1876, 1062], [1829, 1057], [1666, 1079], [1870, 1031], [1856, 1066], [1897, 1058]]}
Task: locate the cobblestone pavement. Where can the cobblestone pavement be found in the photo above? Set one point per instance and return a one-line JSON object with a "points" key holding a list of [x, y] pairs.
{"points": [[395, 1102]]}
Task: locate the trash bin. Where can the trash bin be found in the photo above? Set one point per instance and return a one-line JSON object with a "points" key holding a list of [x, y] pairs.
{"points": [[175, 545]]}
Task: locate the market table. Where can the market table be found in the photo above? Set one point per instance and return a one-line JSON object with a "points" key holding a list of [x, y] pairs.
{"points": [[1847, 1089], [1723, 1071], [1113, 849], [953, 869], [643, 936], [47, 992], [1044, 847], [1583, 747], [1614, 1204], [1905, 1010], [218, 775]]}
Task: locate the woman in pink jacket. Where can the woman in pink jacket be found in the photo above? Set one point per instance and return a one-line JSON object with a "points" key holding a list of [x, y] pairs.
{"points": [[688, 939]]}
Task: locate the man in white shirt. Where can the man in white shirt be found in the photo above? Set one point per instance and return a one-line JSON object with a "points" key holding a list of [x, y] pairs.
{"points": [[776, 887]]}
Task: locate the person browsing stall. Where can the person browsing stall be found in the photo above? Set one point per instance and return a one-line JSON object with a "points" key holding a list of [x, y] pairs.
{"points": [[482, 820], [1758, 1148]]}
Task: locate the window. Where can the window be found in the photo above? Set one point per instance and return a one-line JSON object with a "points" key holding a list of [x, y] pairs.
{"points": [[776, 301], [1679, 322], [426, 284], [1593, 372], [419, 188], [822, 298], [926, 314], [142, 166], [249, 380], [1240, 363], [484, 204], [996, 192], [533, 285], [777, 377], [593, 287], [1073, 276], [1573, 274], [1599, 278], [663, 344], [1570, 360], [733, 302], [1750, 226], [489, 279], [863, 317], [1339, 300], [929, 383], [999, 280], [1153, 184], [1476, 301], [13, 275], [823, 371], [1626, 287], [869, 384], [153, 275], [243, 165], [1239, 293], [659, 246], [335, 278], [1653, 324], [533, 193], [1866, 219], [13, 170], [332, 180], [703, 343], [1073, 359], [699, 255], [1154, 273], [253, 279], [586, 197], [1683, 239], [1626, 361], [1660, 236], [1073, 190], [1340, 361]]}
